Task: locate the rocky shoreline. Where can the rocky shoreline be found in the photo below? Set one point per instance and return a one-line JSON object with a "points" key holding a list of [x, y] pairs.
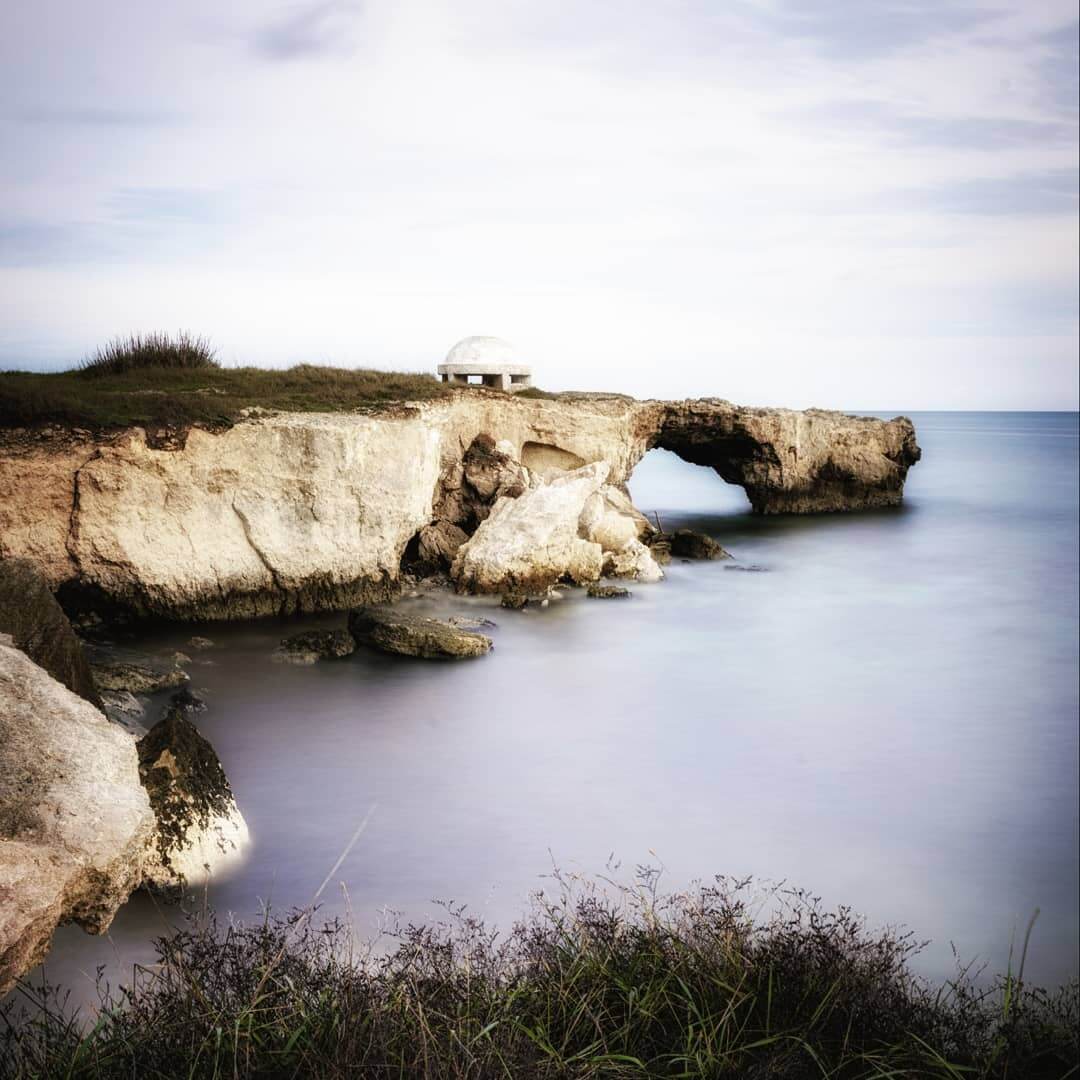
{"points": [[302, 512]]}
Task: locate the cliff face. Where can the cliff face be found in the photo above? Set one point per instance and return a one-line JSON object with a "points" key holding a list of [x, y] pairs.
{"points": [[301, 511]]}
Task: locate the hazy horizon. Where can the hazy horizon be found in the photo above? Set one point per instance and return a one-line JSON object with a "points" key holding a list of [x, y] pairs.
{"points": [[775, 202]]}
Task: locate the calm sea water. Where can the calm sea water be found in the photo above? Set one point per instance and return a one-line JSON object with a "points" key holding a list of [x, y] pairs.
{"points": [[887, 715]]}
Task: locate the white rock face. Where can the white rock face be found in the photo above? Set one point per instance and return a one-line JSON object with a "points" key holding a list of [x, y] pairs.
{"points": [[529, 543], [310, 511], [75, 821]]}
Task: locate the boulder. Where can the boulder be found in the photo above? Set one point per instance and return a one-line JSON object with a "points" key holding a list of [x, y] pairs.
{"points": [[438, 543], [632, 560], [688, 544], [199, 828], [413, 635], [38, 626], [75, 821], [528, 543], [315, 645]]}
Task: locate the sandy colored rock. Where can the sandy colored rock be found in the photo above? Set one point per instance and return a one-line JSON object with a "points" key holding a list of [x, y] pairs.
{"points": [[136, 678], [406, 634], [607, 592], [529, 543], [75, 821], [307, 511]]}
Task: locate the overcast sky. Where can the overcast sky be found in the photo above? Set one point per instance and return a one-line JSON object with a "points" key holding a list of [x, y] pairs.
{"points": [[860, 204]]}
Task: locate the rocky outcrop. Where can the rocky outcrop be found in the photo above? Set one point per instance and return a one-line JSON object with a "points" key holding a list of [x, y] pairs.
{"points": [[406, 634], [297, 512], [75, 822], [199, 828], [38, 626]]}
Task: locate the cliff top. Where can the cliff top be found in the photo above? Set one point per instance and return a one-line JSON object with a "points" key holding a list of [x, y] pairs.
{"points": [[210, 397]]}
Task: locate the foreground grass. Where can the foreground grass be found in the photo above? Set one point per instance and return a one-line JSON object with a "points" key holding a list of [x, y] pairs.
{"points": [[591, 984], [182, 396]]}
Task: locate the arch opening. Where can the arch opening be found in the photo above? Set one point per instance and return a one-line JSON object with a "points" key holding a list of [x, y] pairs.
{"points": [[665, 482]]}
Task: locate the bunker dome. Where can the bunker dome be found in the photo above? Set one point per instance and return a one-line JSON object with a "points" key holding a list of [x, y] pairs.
{"points": [[488, 361]]}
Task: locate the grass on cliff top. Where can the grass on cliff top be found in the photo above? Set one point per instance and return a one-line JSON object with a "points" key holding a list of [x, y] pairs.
{"points": [[160, 381], [594, 984]]}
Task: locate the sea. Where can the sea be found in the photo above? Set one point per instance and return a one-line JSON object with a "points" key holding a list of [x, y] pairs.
{"points": [[880, 708]]}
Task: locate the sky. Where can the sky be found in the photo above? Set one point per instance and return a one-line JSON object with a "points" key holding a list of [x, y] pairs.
{"points": [[863, 204]]}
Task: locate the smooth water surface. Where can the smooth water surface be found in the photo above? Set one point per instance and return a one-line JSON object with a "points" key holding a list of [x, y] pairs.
{"points": [[886, 715]]}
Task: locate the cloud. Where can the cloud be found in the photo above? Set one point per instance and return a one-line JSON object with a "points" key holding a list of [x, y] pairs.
{"points": [[307, 31], [1053, 192], [92, 116]]}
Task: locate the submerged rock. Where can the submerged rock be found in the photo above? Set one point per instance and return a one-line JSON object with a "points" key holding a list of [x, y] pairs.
{"points": [[136, 678], [471, 622], [413, 635], [38, 627], [199, 826], [688, 544], [607, 592], [315, 645], [200, 642], [124, 708], [514, 601], [75, 821]]}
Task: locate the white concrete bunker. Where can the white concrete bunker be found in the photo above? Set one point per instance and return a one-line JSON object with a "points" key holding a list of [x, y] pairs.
{"points": [[487, 361]]}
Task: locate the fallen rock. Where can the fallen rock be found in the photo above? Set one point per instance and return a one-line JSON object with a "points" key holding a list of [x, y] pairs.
{"points": [[38, 627], [199, 826], [315, 645], [200, 642], [437, 544], [607, 592], [688, 544], [528, 543], [413, 635], [632, 560], [135, 678], [514, 601], [75, 821]]}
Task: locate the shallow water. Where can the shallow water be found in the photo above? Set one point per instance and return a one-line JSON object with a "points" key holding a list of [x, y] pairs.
{"points": [[887, 716]]}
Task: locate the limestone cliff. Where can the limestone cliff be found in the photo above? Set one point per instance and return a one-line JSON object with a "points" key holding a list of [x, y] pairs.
{"points": [[302, 511]]}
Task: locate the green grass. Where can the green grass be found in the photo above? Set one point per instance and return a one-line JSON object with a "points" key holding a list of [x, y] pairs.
{"points": [[186, 396], [140, 351], [591, 984]]}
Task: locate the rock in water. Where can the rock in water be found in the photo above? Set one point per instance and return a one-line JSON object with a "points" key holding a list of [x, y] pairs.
{"points": [[413, 635], [529, 543], [38, 626], [75, 821], [688, 544], [608, 592], [315, 645], [199, 826], [120, 675]]}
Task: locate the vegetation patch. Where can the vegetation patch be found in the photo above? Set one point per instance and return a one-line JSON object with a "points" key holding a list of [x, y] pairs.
{"points": [[597, 983]]}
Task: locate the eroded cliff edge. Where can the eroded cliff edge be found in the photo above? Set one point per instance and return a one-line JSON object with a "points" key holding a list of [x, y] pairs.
{"points": [[303, 511]]}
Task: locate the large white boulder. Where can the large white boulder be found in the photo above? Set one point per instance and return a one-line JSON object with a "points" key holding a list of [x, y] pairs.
{"points": [[528, 543], [75, 821]]}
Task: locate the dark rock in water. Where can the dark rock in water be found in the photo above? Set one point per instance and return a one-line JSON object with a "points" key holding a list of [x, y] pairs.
{"points": [[688, 544], [198, 822], [136, 678], [470, 622], [413, 635], [38, 627], [514, 601], [752, 569], [607, 592], [436, 546], [660, 548], [315, 645], [200, 642], [124, 708]]}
